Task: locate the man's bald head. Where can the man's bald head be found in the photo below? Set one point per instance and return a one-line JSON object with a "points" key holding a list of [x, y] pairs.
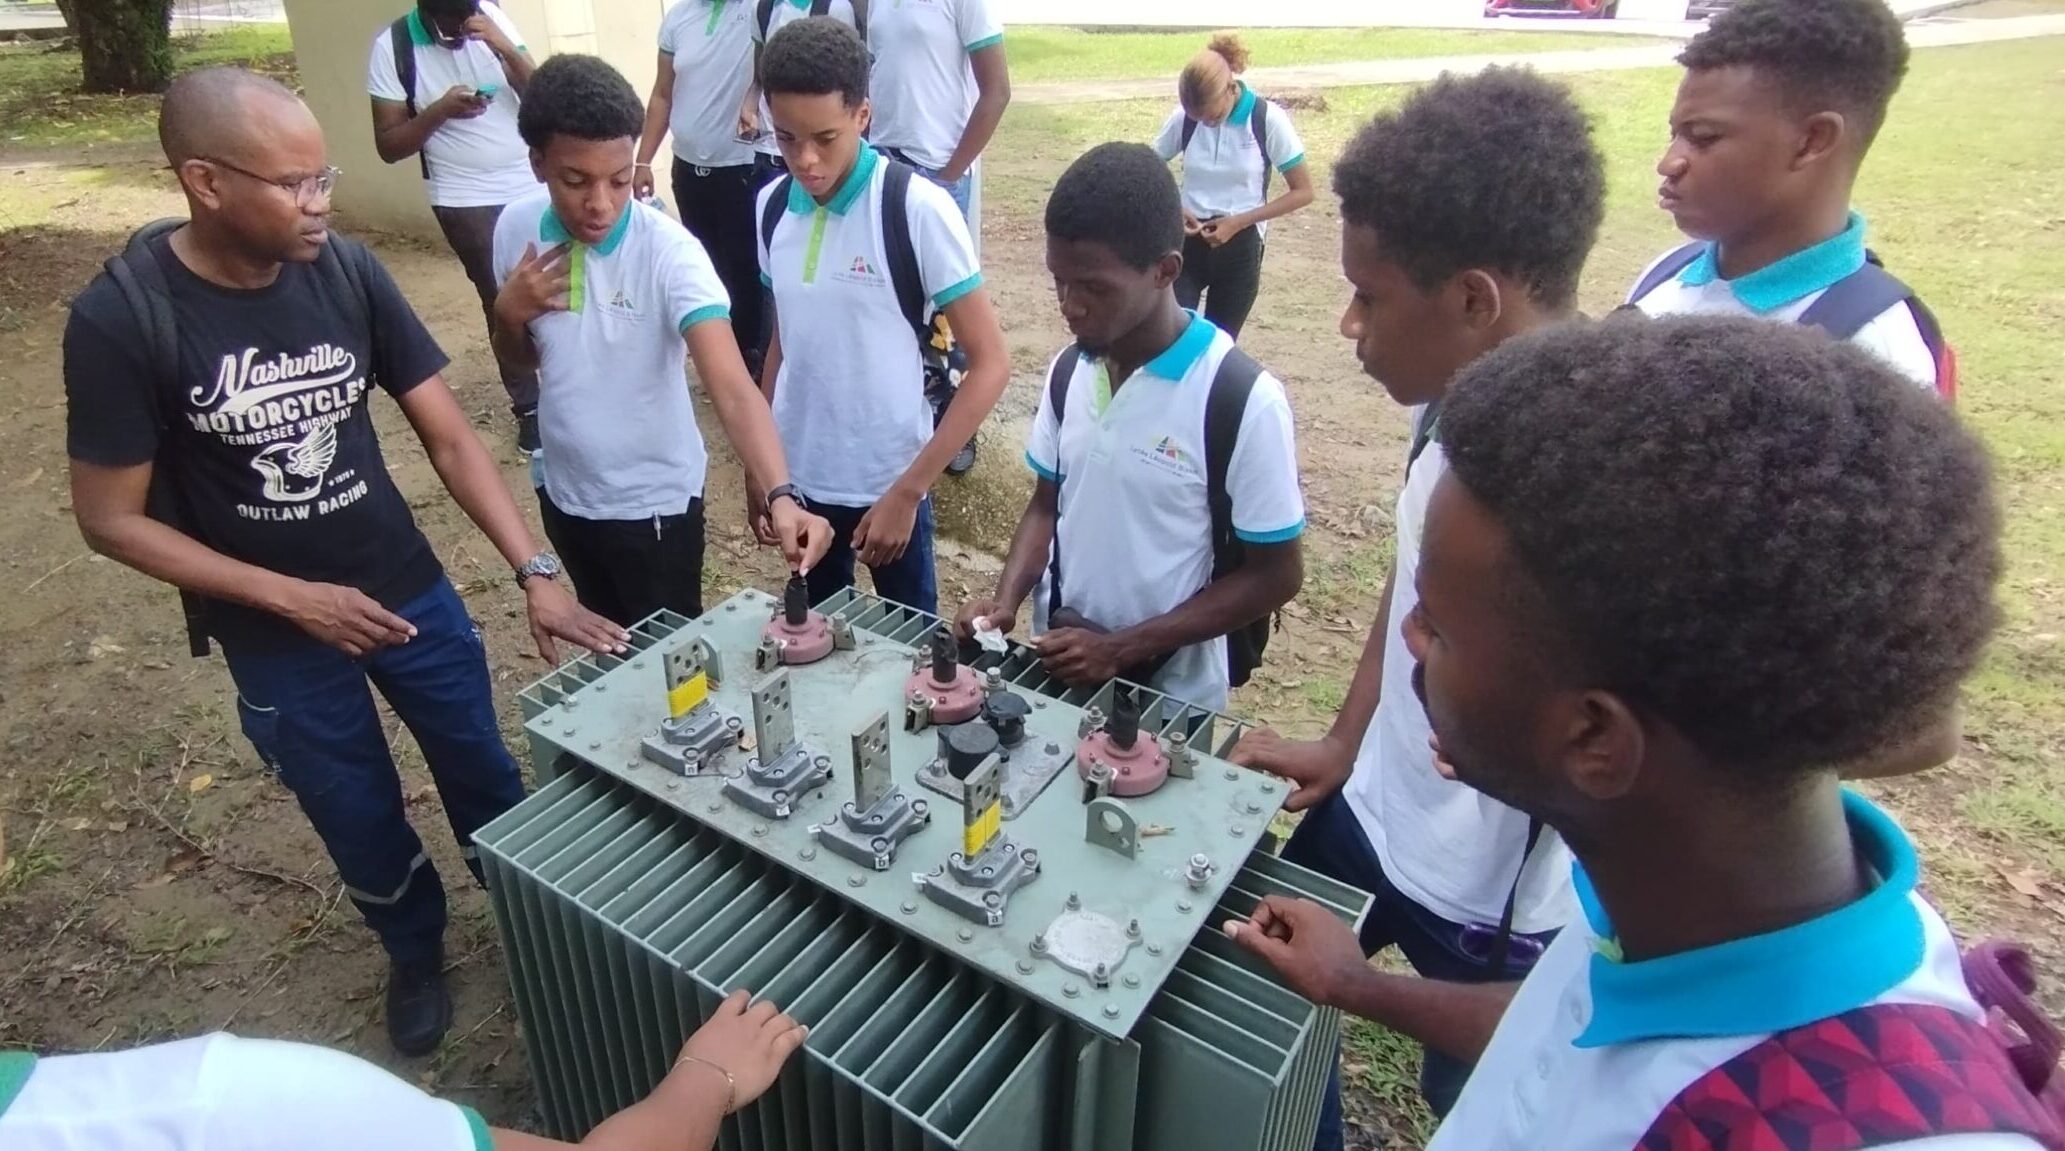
{"points": [[225, 112]]}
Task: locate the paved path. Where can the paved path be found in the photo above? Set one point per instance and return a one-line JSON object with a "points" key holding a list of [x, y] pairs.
{"points": [[1933, 34]]}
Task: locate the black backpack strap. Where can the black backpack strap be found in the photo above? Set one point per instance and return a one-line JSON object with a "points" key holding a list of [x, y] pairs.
{"points": [[404, 46], [860, 18], [1058, 378], [1502, 943], [1677, 261], [1258, 123], [140, 280], [1856, 300], [763, 17], [1423, 432], [820, 7], [901, 253], [771, 215], [1189, 133], [1232, 384]]}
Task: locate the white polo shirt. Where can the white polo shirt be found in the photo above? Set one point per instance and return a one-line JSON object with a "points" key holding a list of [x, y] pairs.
{"points": [[1785, 290], [614, 413], [711, 45], [923, 86], [850, 400], [473, 163], [1594, 1049], [778, 17], [220, 1092], [1223, 170], [1135, 534], [1445, 845]]}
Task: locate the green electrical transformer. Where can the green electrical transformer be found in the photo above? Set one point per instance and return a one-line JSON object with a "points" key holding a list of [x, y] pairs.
{"points": [[994, 900]]}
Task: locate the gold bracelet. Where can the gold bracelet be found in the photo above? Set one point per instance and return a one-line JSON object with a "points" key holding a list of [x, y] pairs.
{"points": [[731, 1086]]}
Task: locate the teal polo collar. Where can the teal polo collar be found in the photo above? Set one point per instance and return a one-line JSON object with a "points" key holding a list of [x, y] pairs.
{"points": [[418, 34], [1770, 982], [552, 232], [849, 190], [1178, 358], [1243, 108], [15, 1069], [1799, 275]]}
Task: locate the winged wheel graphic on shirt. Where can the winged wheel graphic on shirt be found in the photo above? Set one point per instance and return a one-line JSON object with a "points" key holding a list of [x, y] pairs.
{"points": [[294, 470]]}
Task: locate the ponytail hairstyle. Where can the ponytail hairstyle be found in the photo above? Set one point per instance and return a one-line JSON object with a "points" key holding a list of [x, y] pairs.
{"points": [[1211, 72]]}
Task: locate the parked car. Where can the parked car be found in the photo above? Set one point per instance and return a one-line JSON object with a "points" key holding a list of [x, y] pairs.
{"points": [[1587, 9]]}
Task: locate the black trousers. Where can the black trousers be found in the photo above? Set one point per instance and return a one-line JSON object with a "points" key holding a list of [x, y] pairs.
{"points": [[717, 205], [1226, 278], [471, 233], [625, 570]]}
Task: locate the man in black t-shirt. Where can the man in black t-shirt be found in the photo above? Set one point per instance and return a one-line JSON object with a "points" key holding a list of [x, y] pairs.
{"points": [[312, 573]]}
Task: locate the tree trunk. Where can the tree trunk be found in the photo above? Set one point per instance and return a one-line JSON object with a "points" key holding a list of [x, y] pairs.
{"points": [[125, 45], [64, 9]]}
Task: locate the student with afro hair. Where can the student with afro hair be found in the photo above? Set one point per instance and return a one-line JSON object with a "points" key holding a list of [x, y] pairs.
{"points": [[1466, 218], [1121, 528], [1677, 571]]}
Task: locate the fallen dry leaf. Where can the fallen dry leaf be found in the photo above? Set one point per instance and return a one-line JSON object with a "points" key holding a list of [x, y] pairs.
{"points": [[103, 646], [200, 783], [2025, 882]]}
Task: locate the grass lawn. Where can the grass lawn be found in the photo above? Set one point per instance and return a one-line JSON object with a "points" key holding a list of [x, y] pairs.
{"points": [[1039, 54], [41, 106], [1964, 204]]}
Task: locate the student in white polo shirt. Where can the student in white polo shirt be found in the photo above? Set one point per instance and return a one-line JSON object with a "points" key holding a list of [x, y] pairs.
{"points": [[755, 121], [1233, 143], [705, 65], [1466, 218], [1665, 655], [218, 1092], [458, 117], [1779, 105], [608, 296], [844, 366], [1121, 520], [940, 85]]}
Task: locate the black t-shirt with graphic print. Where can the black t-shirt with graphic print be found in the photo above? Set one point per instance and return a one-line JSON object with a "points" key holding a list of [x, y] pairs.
{"points": [[273, 452]]}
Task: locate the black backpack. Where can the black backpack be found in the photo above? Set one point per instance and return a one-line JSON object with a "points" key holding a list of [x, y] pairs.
{"points": [[1232, 384], [140, 279], [1258, 123], [404, 46], [764, 15], [901, 253], [1842, 311]]}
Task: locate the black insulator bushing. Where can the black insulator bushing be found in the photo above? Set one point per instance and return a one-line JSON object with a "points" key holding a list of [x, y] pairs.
{"points": [[1006, 712], [965, 745], [796, 602]]}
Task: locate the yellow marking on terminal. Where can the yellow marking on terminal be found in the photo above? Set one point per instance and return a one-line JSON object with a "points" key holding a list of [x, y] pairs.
{"points": [[688, 695], [982, 829]]}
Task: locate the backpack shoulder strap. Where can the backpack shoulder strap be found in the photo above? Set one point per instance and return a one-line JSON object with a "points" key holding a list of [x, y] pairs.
{"points": [[860, 18], [897, 247], [1423, 432], [1189, 132], [404, 47], [771, 215], [1869, 292], [763, 17], [1058, 377], [1258, 123], [140, 279], [1894, 1072], [820, 7], [1232, 384], [1679, 259]]}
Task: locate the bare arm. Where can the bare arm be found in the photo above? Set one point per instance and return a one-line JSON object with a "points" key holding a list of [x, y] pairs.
{"points": [[659, 108], [992, 96], [1320, 957], [109, 503], [516, 63], [470, 474], [1297, 194], [741, 408], [771, 363], [398, 135]]}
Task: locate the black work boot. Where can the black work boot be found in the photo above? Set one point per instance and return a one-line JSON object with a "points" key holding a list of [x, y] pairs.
{"points": [[419, 1007]]}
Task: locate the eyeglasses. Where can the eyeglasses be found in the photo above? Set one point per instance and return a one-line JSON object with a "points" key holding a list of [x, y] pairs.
{"points": [[304, 188]]}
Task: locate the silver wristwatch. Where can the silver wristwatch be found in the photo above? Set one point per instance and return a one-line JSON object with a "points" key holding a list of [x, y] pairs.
{"points": [[543, 564]]}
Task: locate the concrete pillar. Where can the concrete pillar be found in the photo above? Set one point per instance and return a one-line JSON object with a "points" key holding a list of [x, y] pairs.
{"points": [[334, 38]]}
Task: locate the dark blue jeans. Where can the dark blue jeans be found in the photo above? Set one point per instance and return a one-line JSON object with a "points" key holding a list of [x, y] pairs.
{"points": [[1331, 842], [909, 580], [310, 715]]}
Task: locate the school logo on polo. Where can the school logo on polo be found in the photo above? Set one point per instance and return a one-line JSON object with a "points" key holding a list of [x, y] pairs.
{"points": [[619, 304], [1165, 453], [862, 272]]}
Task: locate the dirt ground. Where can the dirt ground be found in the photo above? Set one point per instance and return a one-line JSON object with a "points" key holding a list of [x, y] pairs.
{"points": [[163, 885]]}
